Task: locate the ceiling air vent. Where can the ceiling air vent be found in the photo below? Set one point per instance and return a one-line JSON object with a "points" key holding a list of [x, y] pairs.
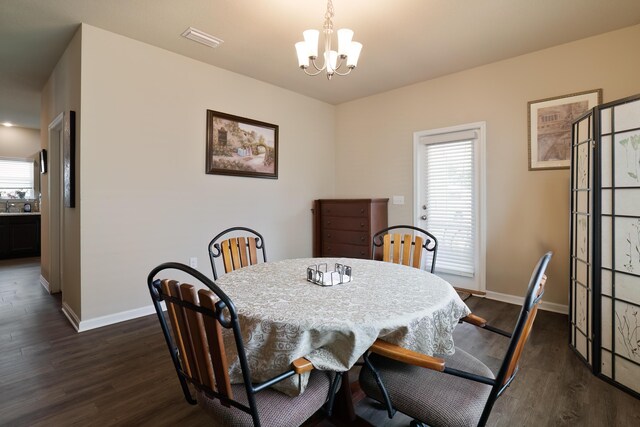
{"points": [[202, 37]]}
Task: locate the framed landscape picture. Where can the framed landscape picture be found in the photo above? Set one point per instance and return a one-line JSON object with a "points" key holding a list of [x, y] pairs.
{"points": [[550, 127], [241, 147]]}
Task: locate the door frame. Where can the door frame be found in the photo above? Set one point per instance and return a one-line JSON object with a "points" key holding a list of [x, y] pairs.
{"points": [[481, 127], [56, 207]]}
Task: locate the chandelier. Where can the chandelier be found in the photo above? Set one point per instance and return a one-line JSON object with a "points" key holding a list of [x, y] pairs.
{"points": [[347, 54]]}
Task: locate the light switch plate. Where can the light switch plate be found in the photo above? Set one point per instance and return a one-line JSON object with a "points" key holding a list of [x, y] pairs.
{"points": [[193, 262], [398, 200]]}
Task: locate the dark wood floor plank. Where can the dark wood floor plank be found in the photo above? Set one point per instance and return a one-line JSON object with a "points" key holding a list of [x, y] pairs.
{"points": [[121, 375]]}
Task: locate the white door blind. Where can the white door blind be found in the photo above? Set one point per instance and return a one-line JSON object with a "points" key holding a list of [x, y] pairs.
{"points": [[449, 196], [16, 174]]}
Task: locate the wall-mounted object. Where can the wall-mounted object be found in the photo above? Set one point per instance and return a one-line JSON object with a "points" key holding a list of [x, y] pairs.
{"points": [[68, 160], [43, 161], [550, 127], [241, 147], [604, 298]]}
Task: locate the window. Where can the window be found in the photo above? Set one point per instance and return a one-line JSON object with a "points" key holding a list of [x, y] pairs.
{"points": [[449, 199], [16, 179]]}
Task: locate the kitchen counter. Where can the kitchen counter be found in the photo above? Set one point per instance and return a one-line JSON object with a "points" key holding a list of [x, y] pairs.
{"points": [[18, 213]]}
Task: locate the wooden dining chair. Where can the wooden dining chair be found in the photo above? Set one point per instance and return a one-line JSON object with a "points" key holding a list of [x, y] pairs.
{"points": [[238, 247], [405, 244], [457, 390], [195, 342]]}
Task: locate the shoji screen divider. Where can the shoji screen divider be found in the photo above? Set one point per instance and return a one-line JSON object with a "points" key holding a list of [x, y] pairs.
{"points": [[604, 301], [582, 206]]}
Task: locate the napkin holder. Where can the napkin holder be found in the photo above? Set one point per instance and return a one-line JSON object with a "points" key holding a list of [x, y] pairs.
{"points": [[319, 275]]}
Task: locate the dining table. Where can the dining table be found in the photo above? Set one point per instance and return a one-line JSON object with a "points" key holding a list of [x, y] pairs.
{"points": [[284, 316]]}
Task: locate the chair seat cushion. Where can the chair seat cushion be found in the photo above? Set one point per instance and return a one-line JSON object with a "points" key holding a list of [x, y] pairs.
{"points": [[432, 397], [275, 409]]}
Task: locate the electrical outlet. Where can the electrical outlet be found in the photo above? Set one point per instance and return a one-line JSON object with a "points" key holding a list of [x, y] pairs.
{"points": [[398, 200], [193, 262]]}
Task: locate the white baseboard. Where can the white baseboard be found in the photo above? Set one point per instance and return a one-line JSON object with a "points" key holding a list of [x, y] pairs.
{"points": [[512, 299], [110, 319], [45, 284], [71, 315]]}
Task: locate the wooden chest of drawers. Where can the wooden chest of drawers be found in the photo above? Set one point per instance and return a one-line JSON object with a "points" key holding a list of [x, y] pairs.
{"points": [[345, 227]]}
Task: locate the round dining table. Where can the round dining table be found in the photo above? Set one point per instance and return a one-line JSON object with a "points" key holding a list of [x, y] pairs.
{"points": [[283, 316]]}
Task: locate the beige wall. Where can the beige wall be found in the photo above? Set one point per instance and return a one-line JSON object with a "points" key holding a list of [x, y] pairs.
{"points": [[22, 143], [61, 94], [145, 196], [19, 142], [527, 212]]}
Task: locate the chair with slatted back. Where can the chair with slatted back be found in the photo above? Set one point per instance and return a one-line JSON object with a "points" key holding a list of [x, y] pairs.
{"points": [[238, 247], [405, 244], [457, 390], [197, 348]]}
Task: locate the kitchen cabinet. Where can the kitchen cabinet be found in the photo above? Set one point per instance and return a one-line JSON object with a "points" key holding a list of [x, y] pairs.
{"points": [[19, 235]]}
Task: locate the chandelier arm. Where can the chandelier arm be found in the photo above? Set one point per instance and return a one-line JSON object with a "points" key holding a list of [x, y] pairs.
{"points": [[343, 74], [313, 62], [311, 74], [339, 64]]}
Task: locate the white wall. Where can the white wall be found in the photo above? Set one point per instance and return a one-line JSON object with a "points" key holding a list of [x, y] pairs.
{"points": [[144, 193], [527, 212]]}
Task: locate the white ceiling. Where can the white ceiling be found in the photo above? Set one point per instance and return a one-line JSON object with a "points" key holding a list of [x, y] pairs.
{"points": [[405, 41]]}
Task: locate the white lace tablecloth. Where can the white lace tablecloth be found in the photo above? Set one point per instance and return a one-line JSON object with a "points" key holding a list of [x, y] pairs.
{"points": [[284, 317]]}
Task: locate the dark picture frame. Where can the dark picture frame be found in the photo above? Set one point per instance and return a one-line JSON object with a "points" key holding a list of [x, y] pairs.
{"points": [[43, 161], [239, 146], [69, 160], [549, 122]]}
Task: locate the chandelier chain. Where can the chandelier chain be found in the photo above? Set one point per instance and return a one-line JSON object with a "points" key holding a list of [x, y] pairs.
{"points": [[328, 24]]}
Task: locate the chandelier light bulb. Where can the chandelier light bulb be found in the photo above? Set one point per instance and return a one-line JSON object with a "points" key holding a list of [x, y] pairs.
{"points": [[331, 59], [303, 54], [311, 39], [344, 41], [354, 53]]}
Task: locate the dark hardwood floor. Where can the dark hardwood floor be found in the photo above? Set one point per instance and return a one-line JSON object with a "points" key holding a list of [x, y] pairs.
{"points": [[121, 375]]}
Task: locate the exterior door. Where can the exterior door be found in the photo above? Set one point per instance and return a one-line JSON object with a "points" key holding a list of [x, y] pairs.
{"points": [[449, 200]]}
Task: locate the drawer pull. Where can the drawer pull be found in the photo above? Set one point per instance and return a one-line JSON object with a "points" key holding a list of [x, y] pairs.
{"points": [[362, 224], [361, 211]]}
